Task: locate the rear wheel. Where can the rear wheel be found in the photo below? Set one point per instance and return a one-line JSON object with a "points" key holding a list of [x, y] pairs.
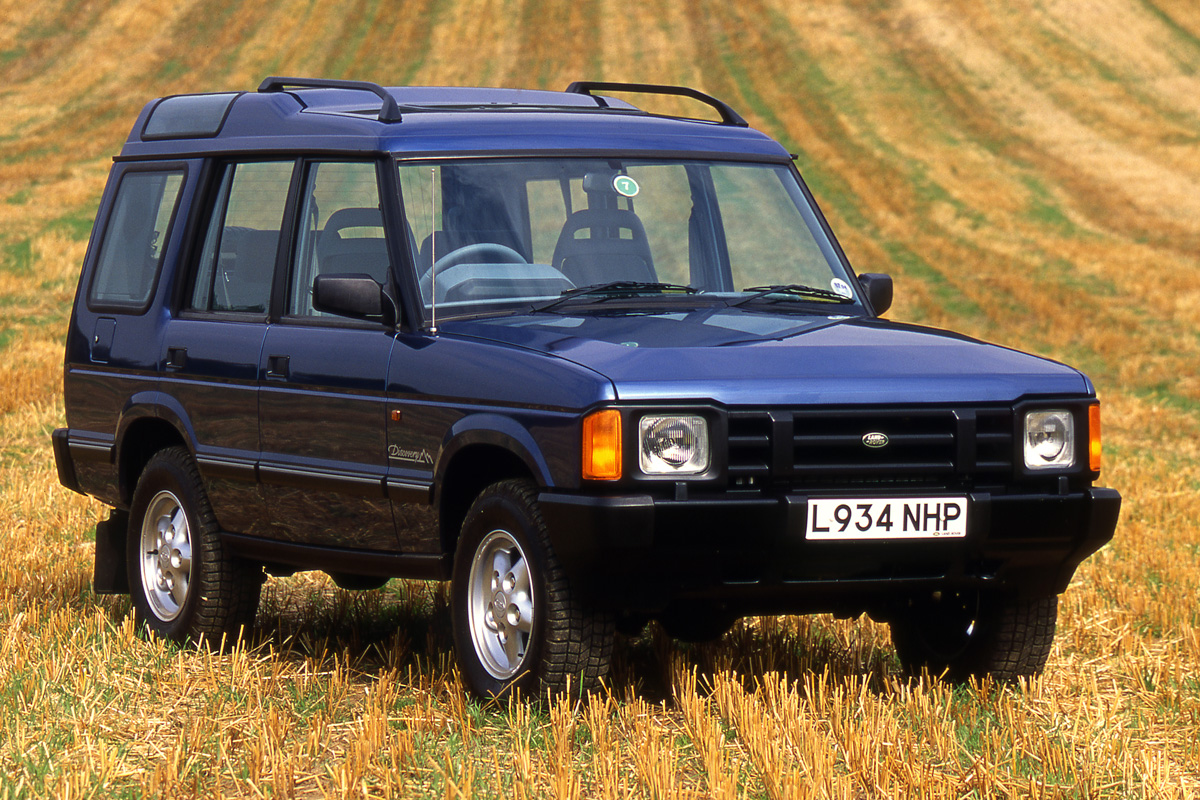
{"points": [[518, 623], [966, 635], [184, 583]]}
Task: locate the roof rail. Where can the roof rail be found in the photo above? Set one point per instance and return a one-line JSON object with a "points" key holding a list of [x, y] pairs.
{"points": [[728, 115], [389, 111]]}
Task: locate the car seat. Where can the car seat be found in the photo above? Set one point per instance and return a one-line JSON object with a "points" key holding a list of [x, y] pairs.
{"points": [[339, 254], [600, 245]]}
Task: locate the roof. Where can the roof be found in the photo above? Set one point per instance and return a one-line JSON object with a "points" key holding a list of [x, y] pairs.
{"points": [[306, 115]]}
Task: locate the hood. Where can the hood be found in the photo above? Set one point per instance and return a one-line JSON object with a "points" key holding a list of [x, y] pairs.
{"points": [[738, 357]]}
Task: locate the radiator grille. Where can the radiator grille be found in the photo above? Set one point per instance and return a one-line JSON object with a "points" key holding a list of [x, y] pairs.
{"points": [[819, 448]]}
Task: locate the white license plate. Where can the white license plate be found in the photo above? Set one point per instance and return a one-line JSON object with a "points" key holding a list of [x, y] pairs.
{"points": [[891, 518]]}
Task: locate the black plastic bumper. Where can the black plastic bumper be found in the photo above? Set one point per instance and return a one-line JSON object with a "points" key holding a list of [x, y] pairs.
{"points": [[642, 554], [63, 461]]}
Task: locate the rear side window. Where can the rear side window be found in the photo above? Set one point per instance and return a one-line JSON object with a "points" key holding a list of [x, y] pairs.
{"points": [[237, 261], [135, 239]]}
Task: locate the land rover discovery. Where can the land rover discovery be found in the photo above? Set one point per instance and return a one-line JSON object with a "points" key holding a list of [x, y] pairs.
{"points": [[594, 366]]}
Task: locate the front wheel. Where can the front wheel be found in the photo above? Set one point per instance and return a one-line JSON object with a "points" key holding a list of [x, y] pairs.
{"points": [[965, 635], [184, 583], [518, 623]]}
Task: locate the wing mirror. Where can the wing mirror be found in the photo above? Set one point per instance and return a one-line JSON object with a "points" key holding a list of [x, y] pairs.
{"points": [[354, 295], [879, 290]]}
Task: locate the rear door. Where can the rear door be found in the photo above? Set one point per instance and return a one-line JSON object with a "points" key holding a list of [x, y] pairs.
{"points": [[322, 408], [112, 353], [210, 352]]}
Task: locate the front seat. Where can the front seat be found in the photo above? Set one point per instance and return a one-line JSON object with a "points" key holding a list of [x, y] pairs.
{"points": [[337, 253], [602, 245]]}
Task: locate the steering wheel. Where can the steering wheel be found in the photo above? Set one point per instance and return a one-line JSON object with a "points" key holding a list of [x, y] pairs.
{"points": [[481, 253]]}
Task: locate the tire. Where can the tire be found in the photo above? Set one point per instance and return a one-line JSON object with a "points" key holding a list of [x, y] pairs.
{"points": [[194, 590], [544, 639], [966, 635]]}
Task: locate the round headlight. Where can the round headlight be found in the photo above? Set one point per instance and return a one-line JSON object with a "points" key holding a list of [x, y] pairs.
{"points": [[673, 445], [1049, 439]]}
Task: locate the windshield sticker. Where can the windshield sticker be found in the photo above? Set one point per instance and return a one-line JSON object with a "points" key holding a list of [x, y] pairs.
{"points": [[839, 286], [626, 186]]}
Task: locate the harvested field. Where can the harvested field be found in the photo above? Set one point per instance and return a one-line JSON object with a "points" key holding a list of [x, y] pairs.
{"points": [[1029, 173]]}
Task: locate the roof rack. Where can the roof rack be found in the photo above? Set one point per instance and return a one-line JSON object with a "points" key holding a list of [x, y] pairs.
{"points": [[389, 111], [728, 115]]}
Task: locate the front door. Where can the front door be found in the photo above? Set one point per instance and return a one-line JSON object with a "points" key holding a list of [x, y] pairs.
{"points": [[322, 412]]}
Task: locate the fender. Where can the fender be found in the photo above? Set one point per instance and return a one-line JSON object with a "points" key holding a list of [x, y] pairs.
{"points": [[168, 409], [499, 431], [153, 405], [140, 406]]}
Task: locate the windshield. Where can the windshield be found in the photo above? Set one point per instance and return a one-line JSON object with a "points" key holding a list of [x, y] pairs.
{"points": [[551, 234]]}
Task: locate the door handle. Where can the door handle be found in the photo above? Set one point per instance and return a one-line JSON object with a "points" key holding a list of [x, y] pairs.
{"points": [[277, 368], [176, 357]]}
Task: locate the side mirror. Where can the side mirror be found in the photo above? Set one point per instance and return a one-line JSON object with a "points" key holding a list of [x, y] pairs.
{"points": [[354, 295], [879, 290]]}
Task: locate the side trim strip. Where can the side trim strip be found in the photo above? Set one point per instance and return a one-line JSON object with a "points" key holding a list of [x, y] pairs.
{"points": [[361, 485], [232, 469], [426, 566], [90, 451], [396, 489], [409, 493]]}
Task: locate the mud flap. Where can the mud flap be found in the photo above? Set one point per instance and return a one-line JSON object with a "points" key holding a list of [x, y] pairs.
{"points": [[110, 576]]}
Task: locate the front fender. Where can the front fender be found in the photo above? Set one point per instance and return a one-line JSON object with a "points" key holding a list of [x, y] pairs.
{"points": [[495, 430]]}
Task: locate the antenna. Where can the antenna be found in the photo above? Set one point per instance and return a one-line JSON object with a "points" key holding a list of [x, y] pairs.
{"points": [[433, 246]]}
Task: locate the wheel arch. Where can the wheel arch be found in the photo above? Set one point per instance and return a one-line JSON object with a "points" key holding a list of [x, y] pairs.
{"points": [[481, 450], [145, 428]]}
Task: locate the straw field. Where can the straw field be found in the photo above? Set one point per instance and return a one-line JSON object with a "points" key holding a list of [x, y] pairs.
{"points": [[1028, 171]]}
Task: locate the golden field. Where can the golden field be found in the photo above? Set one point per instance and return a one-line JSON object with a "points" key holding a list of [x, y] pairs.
{"points": [[1030, 174]]}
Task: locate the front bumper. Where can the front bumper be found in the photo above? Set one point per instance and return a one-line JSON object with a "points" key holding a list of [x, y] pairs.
{"points": [[641, 554]]}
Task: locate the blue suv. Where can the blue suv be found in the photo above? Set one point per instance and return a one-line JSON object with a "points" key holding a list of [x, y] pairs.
{"points": [[592, 365]]}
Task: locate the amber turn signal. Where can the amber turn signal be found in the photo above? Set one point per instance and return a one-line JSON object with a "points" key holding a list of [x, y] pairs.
{"points": [[602, 445], [1094, 448]]}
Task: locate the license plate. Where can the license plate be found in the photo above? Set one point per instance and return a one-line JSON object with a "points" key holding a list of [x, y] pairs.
{"points": [[891, 518]]}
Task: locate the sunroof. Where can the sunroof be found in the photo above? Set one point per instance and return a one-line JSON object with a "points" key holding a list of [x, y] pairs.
{"points": [[189, 116]]}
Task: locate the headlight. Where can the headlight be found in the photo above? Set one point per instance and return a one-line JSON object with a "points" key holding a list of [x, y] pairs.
{"points": [[1049, 439], [673, 445]]}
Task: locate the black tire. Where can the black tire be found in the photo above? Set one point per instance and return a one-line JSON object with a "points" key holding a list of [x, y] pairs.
{"points": [[210, 596], [546, 639], [966, 635]]}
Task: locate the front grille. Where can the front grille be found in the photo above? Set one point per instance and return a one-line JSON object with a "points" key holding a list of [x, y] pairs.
{"points": [[824, 448]]}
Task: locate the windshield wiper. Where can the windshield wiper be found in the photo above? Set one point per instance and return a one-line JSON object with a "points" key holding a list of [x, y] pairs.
{"points": [[616, 289], [797, 289]]}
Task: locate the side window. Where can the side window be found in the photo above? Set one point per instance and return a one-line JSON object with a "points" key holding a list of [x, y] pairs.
{"points": [[766, 231], [420, 187], [341, 230], [237, 261], [135, 239]]}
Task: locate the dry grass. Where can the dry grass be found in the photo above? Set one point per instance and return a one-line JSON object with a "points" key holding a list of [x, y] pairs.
{"points": [[1031, 175]]}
